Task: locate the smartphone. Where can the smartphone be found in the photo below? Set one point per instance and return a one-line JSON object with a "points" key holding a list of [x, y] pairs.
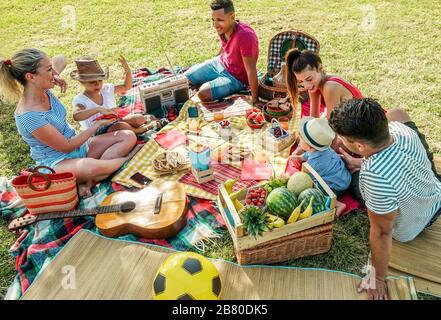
{"points": [[141, 179]]}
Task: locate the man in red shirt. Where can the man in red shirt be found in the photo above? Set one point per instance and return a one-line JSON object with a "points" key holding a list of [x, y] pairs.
{"points": [[234, 69]]}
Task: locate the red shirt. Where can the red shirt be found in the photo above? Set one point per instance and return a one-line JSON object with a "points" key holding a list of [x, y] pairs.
{"points": [[243, 42]]}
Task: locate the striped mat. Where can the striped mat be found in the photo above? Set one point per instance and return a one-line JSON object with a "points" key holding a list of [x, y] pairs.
{"points": [[113, 269]]}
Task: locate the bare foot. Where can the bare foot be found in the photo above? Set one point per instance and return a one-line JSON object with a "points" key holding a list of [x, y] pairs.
{"points": [[141, 129], [84, 190], [340, 208]]}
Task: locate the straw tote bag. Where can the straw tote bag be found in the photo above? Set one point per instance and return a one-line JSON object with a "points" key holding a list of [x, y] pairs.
{"points": [[45, 193]]}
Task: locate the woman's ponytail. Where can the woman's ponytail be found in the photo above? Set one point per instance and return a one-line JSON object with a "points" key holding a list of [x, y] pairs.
{"points": [[291, 80], [13, 71], [9, 87]]}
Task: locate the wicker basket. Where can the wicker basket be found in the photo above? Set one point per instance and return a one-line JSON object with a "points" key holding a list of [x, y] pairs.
{"points": [[277, 48], [302, 244], [300, 239]]}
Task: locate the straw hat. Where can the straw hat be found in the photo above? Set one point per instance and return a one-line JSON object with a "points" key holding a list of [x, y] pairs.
{"points": [[316, 132], [89, 70]]}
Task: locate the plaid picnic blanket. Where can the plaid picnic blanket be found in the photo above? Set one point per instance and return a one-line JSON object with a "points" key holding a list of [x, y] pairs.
{"points": [[38, 244], [243, 136], [222, 172]]}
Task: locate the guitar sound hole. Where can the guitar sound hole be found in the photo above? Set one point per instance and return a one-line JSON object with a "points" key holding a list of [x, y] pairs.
{"points": [[128, 206]]}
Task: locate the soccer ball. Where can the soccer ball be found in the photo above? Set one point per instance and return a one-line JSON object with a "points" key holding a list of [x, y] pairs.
{"points": [[187, 276]]}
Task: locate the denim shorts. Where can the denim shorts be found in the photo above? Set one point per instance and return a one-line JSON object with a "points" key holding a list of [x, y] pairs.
{"points": [[222, 83], [103, 129], [81, 152]]}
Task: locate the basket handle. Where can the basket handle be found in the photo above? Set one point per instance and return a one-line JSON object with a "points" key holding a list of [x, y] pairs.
{"points": [[275, 121], [39, 174], [36, 169]]}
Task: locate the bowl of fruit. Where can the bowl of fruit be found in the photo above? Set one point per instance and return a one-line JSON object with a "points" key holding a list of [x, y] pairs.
{"points": [[256, 196], [255, 118], [277, 108]]}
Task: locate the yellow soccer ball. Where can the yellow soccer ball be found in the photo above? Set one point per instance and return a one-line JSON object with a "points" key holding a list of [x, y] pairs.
{"points": [[187, 276]]}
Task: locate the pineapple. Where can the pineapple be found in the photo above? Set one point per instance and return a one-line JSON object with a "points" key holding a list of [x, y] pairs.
{"points": [[255, 220]]}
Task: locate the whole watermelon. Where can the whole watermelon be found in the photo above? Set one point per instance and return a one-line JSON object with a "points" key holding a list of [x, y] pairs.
{"points": [[281, 202], [319, 204]]}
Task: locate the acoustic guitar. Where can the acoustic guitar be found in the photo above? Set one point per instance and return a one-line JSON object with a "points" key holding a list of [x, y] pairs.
{"points": [[155, 212]]}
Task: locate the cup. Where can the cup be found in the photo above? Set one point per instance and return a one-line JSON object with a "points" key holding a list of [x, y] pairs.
{"points": [[284, 123], [193, 112], [218, 115], [200, 157]]}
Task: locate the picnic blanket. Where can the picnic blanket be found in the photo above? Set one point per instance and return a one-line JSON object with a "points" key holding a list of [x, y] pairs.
{"points": [[242, 136], [420, 258], [222, 172], [39, 244], [114, 269]]}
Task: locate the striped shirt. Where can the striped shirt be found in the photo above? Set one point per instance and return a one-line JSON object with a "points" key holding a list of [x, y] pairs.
{"points": [[401, 177], [30, 121]]}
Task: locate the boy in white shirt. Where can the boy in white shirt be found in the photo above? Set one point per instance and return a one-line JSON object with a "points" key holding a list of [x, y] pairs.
{"points": [[98, 99]]}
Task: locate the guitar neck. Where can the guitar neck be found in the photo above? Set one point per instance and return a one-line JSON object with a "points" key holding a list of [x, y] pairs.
{"points": [[79, 213]]}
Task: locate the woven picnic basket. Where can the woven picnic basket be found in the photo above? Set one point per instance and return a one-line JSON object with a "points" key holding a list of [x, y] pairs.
{"points": [[301, 244], [277, 48]]}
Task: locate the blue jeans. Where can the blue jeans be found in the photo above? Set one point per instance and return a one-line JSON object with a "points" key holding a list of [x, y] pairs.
{"points": [[221, 82]]}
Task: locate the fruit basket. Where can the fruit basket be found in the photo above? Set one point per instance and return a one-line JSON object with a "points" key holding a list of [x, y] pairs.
{"points": [[276, 138], [305, 237]]}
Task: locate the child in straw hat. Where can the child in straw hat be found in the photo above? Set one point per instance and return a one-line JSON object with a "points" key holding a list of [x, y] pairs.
{"points": [[98, 101], [316, 137]]}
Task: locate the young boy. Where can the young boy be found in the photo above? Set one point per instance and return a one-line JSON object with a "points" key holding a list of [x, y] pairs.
{"points": [[98, 99], [316, 137]]}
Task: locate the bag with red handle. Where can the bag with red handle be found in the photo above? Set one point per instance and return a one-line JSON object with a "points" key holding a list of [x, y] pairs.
{"points": [[45, 193]]}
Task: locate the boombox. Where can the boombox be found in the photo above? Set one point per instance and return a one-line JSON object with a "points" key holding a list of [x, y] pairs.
{"points": [[164, 92]]}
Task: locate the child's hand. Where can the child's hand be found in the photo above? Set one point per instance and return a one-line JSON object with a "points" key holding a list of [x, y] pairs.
{"points": [[112, 112], [124, 64], [296, 157], [100, 123], [61, 83]]}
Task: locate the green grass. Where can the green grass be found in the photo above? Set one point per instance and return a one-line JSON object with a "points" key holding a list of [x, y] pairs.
{"points": [[396, 62]]}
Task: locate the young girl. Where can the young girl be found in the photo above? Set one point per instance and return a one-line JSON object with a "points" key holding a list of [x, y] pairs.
{"points": [[305, 68], [98, 99]]}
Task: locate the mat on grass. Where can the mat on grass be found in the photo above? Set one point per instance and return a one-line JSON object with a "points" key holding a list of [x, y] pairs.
{"points": [[421, 259], [114, 269]]}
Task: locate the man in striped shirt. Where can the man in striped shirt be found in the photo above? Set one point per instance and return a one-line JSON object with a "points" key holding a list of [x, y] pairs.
{"points": [[397, 179]]}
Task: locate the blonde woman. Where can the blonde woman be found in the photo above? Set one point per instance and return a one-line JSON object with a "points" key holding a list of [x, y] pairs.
{"points": [[27, 79]]}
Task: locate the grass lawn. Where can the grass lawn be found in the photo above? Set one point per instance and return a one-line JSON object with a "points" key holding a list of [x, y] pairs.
{"points": [[390, 49]]}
